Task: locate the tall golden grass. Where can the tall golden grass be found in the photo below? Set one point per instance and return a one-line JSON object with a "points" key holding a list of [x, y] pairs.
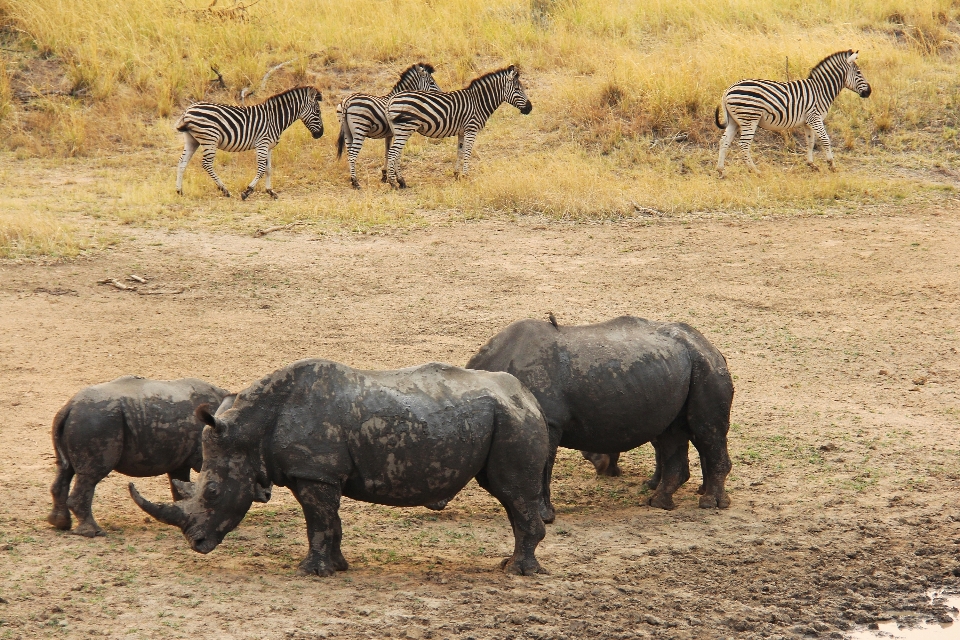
{"points": [[624, 93]]}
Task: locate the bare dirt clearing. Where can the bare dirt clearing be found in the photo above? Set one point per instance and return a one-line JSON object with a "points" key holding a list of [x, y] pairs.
{"points": [[841, 332]]}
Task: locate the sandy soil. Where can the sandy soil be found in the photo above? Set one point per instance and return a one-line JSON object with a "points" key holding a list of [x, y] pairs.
{"points": [[841, 332]]}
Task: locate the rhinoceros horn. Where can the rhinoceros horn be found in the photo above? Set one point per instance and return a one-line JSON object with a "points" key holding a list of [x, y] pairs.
{"points": [[165, 513]]}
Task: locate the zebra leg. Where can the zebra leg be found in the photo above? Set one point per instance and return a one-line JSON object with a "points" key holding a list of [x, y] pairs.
{"points": [[209, 152], [469, 138], [190, 146], [263, 158], [387, 141], [728, 135], [747, 132], [353, 151], [270, 173], [456, 168], [816, 123], [811, 137], [400, 137]]}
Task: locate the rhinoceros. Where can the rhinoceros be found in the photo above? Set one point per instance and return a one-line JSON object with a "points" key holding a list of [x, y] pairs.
{"points": [[613, 386], [132, 425], [403, 438]]}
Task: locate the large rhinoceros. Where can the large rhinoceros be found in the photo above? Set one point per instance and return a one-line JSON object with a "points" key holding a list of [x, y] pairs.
{"points": [[613, 386], [403, 438], [132, 425]]}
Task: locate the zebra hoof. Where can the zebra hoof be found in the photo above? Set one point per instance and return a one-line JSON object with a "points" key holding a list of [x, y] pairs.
{"points": [[383, 177], [356, 184], [246, 193], [179, 192], [272, 194], [402, 183]]}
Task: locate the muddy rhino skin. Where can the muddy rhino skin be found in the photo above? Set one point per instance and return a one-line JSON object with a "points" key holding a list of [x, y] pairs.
{"points": [[132, 425], [613, 386], [408, 437]]}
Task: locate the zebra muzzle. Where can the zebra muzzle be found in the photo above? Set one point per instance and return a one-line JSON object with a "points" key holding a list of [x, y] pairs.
{"points": [[527, 108]]}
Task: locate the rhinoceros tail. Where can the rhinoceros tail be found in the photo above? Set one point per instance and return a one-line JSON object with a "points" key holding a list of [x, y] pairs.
{"points": [[57, 432], [553, 321]]}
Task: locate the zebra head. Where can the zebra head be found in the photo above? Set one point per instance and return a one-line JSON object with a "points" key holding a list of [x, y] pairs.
{"points": [[310, 112], [429, 83], [513, 91], [417, 77], [854, 79]]}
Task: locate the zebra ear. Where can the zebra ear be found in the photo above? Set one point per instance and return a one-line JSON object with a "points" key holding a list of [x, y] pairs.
{"points": [[853, 56]]}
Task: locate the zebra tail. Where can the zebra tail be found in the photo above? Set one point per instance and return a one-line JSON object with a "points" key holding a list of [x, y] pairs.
{"points": [[340, 140], [181, 124], [716, 119]]}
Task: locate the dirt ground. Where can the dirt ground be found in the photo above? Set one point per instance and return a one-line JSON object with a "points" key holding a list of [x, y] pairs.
{"points": [[841, 332]]}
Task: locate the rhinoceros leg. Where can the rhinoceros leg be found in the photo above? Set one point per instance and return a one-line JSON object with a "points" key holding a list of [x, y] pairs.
{"points": [[604, 463], [523, 509], [672, 448], [321, 503], [81, 503], [709, 421], [180, 474], [512, 475], [654, 481], [60, 489]]}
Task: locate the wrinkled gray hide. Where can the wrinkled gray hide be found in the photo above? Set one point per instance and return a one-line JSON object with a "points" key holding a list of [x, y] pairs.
{"points": [[132, 425], [613, 386], [403, 438]]}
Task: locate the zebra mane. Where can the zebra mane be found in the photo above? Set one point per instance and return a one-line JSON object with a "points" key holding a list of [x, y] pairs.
{"points": [[409, 70], [828, 60], [490, 74], [295, 89]]}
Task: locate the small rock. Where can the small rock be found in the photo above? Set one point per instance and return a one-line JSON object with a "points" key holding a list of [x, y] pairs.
{"points": [[653, 620]]}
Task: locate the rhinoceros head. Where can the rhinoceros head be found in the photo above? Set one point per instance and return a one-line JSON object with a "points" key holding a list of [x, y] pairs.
{"points": [[222, 495]]}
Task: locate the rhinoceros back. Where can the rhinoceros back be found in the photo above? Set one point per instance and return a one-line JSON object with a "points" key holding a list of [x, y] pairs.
{"points": [[403, 438]]}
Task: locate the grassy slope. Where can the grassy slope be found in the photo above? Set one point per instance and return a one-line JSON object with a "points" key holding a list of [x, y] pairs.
{"points": [[624, 96]]}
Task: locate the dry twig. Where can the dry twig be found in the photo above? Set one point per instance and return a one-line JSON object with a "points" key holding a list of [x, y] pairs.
{"points": [[283, 227]]}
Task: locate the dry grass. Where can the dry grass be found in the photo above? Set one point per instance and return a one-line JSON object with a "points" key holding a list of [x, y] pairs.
{"points": [[624, 95]]}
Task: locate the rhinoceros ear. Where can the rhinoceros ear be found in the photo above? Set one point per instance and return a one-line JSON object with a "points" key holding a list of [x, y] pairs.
{"points": [[185, 489], [262, 493], [203, 415]]}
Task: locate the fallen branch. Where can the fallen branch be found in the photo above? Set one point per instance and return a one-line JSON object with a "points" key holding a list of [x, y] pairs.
{"points": [[137, 278], [219, 78], [113, 282], [162, 292], [645, 211], [283, 227]]}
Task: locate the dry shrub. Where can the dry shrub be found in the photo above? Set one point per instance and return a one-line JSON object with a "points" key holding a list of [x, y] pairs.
{"points": [[27, 234]]}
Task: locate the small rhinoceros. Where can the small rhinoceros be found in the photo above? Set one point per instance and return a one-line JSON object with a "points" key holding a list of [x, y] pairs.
{"points": [[404, 438], [132, 425]]}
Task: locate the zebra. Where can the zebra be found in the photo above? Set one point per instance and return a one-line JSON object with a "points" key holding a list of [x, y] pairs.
{"points": [[783, 106], [364, 116], [462, 113], [220, 126]]}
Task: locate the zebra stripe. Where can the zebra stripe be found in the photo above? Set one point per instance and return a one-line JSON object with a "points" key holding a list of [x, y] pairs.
{"points": [[462, 113], [220, 126], [364, 116], [784, 106]]}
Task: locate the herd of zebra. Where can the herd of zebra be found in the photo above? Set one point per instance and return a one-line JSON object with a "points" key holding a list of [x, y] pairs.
{"points": [[416, 104]]}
